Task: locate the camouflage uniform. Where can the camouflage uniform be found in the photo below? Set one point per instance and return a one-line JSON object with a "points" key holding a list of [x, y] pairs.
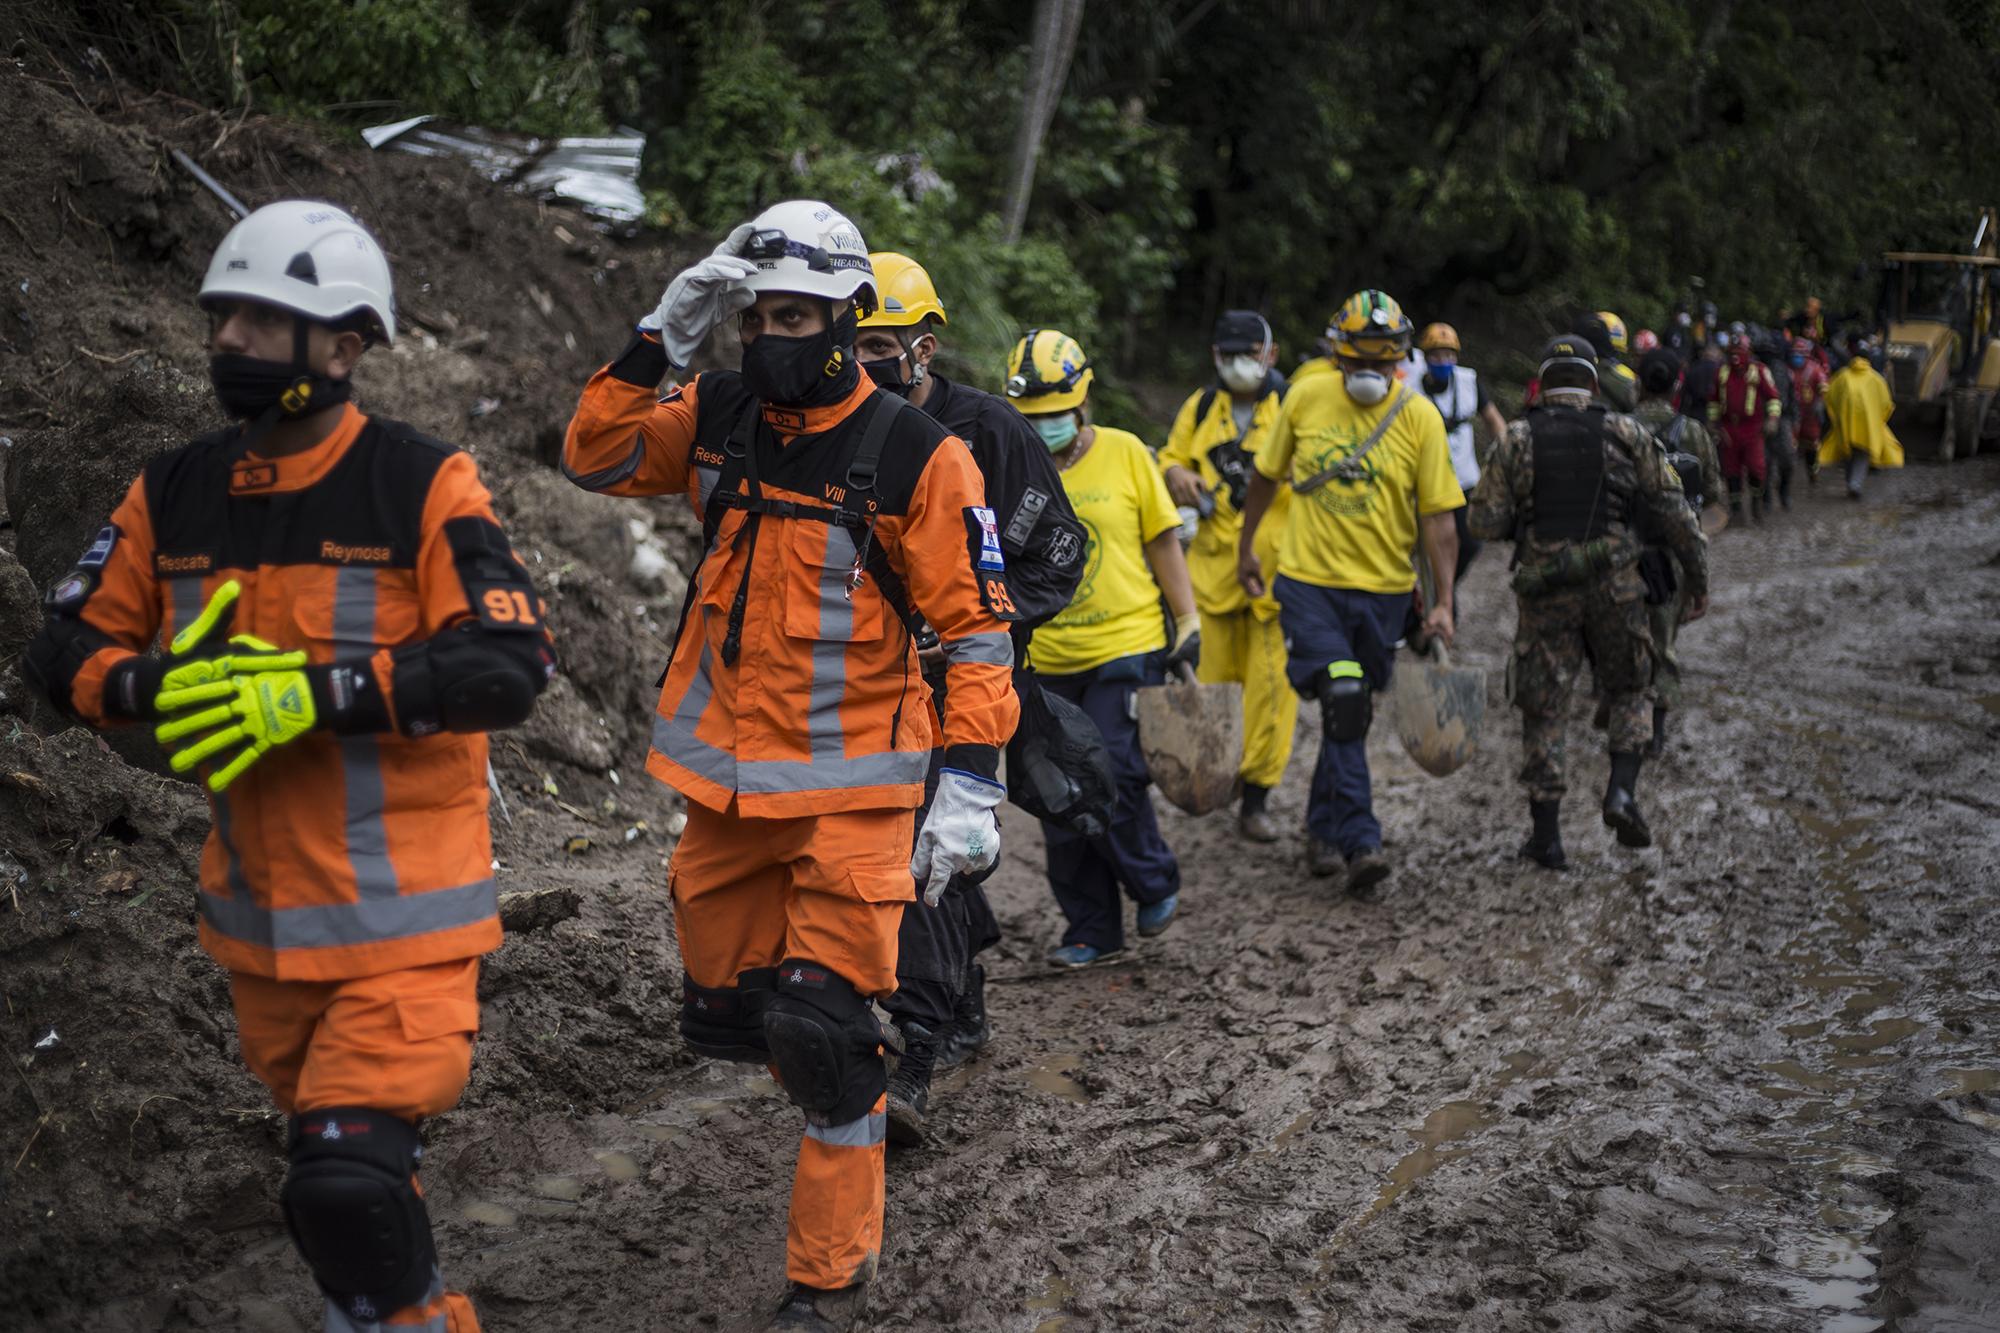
{"points": [[1656, 414], [1604, 617]]}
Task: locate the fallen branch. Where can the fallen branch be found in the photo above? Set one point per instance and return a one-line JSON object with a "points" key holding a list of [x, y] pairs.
{"points": [[111, 360], [20, 231], [31, 1139]]}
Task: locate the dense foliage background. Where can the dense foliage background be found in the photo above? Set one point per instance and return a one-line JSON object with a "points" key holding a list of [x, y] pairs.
{"points": [[1497, 162]]}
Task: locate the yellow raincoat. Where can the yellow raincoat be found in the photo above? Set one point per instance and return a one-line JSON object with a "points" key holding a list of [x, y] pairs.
{"points": [[1857, 410]]}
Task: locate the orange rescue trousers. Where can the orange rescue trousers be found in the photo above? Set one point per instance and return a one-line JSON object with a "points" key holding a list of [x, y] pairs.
{"points": [[399, 1043], [830, 888]]}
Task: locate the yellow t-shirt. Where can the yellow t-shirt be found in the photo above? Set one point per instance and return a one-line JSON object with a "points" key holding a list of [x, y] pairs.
{"points": [[1357, 534], [1119, 496], [1211, 560]]}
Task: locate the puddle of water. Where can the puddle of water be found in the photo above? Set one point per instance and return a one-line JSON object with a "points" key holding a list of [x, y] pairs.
{"points": [[1448, 1124], [1517, 1066], [1055, 1294], [1799, 1074], [673, 1134], [1970, 1082], [489, 1214], [1052, 1075], [1990, 702], [619, 1165], [1882, 1032], [566, 1189]]}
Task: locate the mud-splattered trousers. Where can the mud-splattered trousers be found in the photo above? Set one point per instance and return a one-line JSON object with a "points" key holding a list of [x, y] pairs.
{"points": [[1605, 622]]}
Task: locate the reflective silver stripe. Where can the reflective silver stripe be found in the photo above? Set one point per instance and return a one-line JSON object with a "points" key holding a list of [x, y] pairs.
{"points": [[675, 738], [829, 650], [607, 477], [705, 479], [188, 606], [994, 648], [863, 1133], [361, 756], [367, 922]]}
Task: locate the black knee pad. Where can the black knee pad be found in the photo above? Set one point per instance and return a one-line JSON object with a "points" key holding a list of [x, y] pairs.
{"points": [[727, 1022], [354, 1211], [825, 1042], [1346, 705]]}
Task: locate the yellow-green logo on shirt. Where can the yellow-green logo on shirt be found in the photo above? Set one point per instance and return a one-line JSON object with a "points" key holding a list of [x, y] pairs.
{"points": [[1326, 446]]}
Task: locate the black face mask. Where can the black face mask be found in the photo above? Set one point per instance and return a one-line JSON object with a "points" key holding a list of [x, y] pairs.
{"points": [[248, 387], [888, 375], [811, 371]]}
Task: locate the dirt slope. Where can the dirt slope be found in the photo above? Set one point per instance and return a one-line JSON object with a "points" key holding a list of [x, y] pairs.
{"points": [[1744, 1081]]}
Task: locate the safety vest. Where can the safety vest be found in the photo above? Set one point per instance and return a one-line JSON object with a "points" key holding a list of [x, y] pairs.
{"points": [[793, 689], [1572, 500], [1458, 404], [336, 856]]}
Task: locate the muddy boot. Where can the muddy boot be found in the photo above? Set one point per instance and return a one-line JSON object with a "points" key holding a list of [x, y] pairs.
{"points": [[1621, 807], [811, 1310], [1366, 870], [1757, 507], [910, 1086], [1253, 821], [1658, 745], [1736, 500], [1545, 844], [1323, 858], [970, 1028]]}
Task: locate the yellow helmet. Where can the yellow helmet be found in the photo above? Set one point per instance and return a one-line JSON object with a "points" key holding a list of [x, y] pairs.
{"points": [[907, 294], [1370, 327], [1438, 338], [1616, 327], [1047, 373]]}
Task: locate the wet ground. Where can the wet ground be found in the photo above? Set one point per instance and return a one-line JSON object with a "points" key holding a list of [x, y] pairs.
{"points": [[1745, 1080]]}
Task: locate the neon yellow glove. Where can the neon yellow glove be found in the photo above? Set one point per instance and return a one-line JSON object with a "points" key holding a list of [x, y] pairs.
{"points": [[264, 709], [193, 683]]}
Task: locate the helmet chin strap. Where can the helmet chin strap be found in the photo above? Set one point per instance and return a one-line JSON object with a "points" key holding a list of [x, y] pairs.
{"points": [[294, 402]]}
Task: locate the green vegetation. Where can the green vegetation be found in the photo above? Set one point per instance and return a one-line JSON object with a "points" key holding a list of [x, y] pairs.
{"points": [[1498, 161]]}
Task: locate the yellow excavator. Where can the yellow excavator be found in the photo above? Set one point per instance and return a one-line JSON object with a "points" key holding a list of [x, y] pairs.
{"points": [[1942, 358]]}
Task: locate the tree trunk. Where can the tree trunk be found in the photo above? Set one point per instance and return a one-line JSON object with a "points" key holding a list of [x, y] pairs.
{"points": [[1054, 42]]}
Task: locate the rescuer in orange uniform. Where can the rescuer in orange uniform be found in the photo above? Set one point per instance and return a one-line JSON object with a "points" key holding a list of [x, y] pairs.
{"points": [[794, 714], [380, 624]]}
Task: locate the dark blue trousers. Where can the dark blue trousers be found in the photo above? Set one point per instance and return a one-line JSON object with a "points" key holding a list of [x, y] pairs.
{"points": [[1086, 873], [1323, 626]]}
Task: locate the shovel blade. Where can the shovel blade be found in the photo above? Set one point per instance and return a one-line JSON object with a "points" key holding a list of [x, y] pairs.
{"points": [[1439, 711], [1192, 738]]}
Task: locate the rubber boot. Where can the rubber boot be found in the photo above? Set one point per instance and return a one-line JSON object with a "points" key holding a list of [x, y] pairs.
{"points": [[1658, 745], [1621, 806], [970, 1028], [811, 1310], [1545, 845], [1757, 506], [910, 1086], [1736, 499], [1253, 821]]}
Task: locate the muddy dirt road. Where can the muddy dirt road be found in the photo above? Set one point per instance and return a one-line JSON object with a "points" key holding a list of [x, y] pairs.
{"points": [[1746, 1080]]}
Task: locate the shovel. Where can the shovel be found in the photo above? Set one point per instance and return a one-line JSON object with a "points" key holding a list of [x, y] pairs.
{"points": [[1192, 738], [1439, 709]]}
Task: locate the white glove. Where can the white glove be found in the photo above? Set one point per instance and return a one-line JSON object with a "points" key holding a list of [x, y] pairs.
{"points": [[700, 297], [960, 837]]}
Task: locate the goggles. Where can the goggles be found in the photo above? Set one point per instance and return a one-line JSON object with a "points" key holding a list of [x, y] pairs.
{"points": [[773, 244]]}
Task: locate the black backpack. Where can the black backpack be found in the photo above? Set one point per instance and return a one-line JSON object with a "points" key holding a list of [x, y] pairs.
{"points": [[1057, 767]]}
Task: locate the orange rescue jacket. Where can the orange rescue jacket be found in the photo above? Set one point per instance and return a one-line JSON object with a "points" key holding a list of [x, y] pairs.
{"points": [[337, 856], [817, 703]]}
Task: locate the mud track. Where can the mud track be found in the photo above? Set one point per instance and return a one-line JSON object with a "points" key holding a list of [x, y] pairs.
{"points": [[1746, 1080]]}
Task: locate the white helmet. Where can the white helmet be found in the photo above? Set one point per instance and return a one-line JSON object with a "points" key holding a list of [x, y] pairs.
{"points": [[805, 246], [306, 257]]}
